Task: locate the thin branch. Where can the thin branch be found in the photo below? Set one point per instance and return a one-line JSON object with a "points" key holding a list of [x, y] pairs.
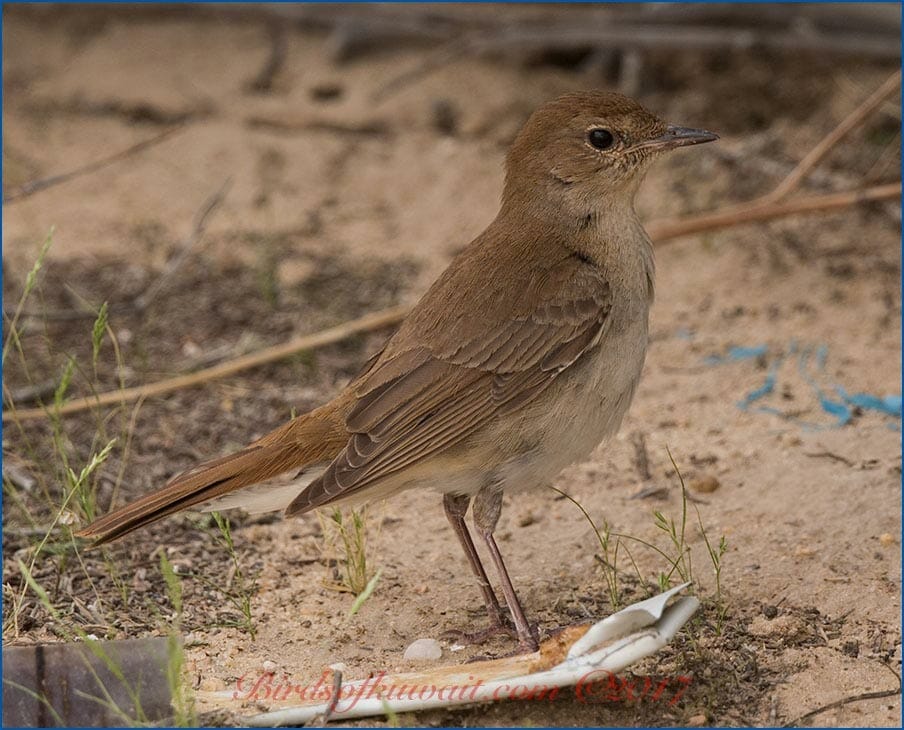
{"points": [[263, 81], [141, 302], [211, 204], [36, 186], [827, 144], [367, 323], [757, 211], [797, 722]]}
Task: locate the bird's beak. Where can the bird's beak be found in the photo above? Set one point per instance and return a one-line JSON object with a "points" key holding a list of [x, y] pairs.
{"points": [[679, 137]]}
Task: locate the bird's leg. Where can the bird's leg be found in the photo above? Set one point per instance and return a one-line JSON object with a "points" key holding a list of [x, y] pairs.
{"points": [[455, 506], [487, 508]]}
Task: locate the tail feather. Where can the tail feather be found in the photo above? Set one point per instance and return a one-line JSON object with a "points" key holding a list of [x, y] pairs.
{"points": [[308, 440]]}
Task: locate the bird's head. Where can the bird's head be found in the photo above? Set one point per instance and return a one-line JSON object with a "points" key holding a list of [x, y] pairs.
{"points": [[588, 149]]}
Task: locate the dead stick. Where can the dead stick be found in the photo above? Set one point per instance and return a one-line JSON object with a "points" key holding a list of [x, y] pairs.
{"points": [[329, 336], [141, 302], [262, 83], [197, 232], [881, 694], [663, 230], [850, 122], [35, 186], [660, 231]]}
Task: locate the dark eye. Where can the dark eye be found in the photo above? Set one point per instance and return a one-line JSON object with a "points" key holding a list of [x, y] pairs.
{"points": [[602, 139]]}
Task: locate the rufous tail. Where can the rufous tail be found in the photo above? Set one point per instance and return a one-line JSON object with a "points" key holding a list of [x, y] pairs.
{"points": [[312, 438]]}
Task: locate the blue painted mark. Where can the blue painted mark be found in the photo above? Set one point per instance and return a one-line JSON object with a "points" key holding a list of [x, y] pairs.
{"points": [[768, 385], [889, 404], [811, 361], [736, 354], [841, 412], [837, 409], [754, 395]]}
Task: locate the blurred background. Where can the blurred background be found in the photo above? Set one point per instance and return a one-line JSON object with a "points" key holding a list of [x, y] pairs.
{"points": [[221, 178]]}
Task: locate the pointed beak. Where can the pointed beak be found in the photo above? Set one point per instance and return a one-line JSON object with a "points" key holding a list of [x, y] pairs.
{"points": [[679, 137]]}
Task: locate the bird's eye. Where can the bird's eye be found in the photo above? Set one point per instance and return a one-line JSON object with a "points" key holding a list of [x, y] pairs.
{"points": [[602, 139]]}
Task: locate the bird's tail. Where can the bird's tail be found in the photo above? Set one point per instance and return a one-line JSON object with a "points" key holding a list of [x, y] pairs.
{"points": [[310, 439]]}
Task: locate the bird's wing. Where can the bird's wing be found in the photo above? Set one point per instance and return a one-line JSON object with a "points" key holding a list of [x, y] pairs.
{"points": [[460, 372]]}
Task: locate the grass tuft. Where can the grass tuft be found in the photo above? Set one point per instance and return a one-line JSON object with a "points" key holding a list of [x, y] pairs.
{"points": [[239, 589], [182, 698], [346, 532], [677, 555]]}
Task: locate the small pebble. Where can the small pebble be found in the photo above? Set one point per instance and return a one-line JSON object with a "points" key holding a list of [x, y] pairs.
{"points": [[770, 612], [269, 667], [696, 720], [526, 519], [338, 667], [190, 348], [705, 484], [887, 539], [423, 650]]}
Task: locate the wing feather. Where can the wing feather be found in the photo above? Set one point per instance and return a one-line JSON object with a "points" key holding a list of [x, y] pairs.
{"points": [[417, 402]]}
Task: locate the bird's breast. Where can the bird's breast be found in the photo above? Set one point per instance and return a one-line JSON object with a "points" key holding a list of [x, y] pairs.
{"points": [[583, 407]]}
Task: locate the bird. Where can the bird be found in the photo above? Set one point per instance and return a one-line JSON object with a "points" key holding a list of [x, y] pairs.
{"points": [[520, 359]]}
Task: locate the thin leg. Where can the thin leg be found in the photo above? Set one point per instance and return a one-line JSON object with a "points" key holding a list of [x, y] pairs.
{"points": [[487, 508], [456, 506]]}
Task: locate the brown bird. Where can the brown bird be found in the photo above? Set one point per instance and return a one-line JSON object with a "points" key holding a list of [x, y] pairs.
{"points": [[519, 360]]}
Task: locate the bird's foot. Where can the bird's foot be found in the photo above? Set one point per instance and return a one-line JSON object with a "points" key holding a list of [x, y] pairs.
{"points": [[476, 638], [530, 642], [526, 644]]}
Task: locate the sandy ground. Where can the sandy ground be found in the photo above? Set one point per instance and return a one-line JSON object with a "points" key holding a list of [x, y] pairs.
{"points": [[339, 205]]}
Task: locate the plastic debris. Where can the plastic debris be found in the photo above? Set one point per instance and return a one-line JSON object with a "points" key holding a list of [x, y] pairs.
{"points": [[736, 354], [585, 657], [889, 404], [811, 362]]}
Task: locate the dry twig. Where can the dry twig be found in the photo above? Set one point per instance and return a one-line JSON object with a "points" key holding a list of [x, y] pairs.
{"points": [[36, 186], [211, 204], [797, 722], [141, 302], [367, 323], [758, 211], [263, 81], [827, 143]]}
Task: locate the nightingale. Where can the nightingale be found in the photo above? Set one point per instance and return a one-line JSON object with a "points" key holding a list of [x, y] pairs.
{"points": [[519, 360]]}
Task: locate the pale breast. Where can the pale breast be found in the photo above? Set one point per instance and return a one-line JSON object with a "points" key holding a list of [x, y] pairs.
{"points": [[582, 409]]}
